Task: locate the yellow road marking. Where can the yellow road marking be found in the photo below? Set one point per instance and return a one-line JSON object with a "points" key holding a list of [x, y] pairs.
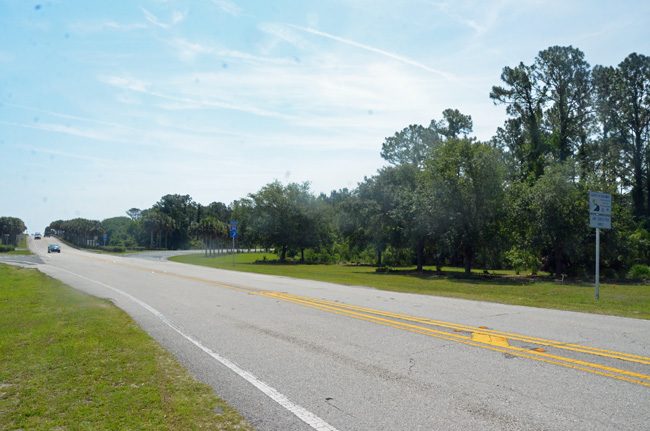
{"points": [[616, 373], [490, 339], [479, 336], [512, 336]]}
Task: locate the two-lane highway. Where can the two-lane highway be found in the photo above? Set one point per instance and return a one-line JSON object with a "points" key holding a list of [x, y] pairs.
{"points": [[302, 355]]}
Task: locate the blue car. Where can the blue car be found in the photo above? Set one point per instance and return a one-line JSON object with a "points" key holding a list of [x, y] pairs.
{"points": [[53, 248]]}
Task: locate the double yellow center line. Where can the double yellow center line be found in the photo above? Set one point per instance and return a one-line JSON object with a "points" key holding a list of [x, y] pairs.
{"points": [[484, 338], [480, 337]]}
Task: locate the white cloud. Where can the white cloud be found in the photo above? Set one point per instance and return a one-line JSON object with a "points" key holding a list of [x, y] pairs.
{"points": [[397, 57], [228, 6], [177, 16], [284, 33], [65, 129], [126, 83], [153, 19], [66, 154], [99, 26], [187, 50]]}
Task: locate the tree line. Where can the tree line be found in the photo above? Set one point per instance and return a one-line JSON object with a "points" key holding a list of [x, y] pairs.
{"points": [[10, 228], [518, 200]]}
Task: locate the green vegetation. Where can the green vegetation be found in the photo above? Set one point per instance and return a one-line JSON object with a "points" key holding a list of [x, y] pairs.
{"points": [[11, 236], [516, 201], [630, 300], [19, 249], [71, 361]]}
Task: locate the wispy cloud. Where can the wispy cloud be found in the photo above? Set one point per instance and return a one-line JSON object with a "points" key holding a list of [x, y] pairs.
{"points": [[66, 154], [228, 6], [99, 26], [62, 115], [126, 83], [189, 102], [65, 129], [177, 16], [190, 50], [284, 33], [153, 19], [397, 57]]}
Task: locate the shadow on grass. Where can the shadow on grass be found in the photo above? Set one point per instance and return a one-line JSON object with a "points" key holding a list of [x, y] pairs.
{"points": [[460, 277]]}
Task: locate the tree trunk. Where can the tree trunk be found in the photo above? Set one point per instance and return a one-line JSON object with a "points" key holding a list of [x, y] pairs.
{"points": [[467, 260], [637, 188], [379, 258], [559, 270], [302, 255], [283, 254], [420, 255]]}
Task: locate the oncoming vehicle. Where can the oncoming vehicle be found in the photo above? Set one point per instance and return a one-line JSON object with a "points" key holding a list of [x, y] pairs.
{"points": [[37, 235], [53, 248]]}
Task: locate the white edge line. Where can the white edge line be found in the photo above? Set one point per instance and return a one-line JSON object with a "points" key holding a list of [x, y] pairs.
{"points": [[303, 414]]}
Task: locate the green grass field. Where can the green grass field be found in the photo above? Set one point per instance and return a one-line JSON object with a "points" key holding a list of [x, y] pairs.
{"points": [[72, 361], [630, 300]]}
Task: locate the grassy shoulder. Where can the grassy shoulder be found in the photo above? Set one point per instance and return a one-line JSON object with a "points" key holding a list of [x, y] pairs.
{"points": [[72, 361], [20, 249], [629, 300]]}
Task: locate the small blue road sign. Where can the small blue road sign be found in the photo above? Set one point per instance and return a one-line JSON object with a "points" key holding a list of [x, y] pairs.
{"points": [[233, 229]]}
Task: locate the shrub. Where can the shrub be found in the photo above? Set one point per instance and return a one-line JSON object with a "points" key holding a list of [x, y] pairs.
{"points": [[522, 260], [398, 256], [323, 255], [6, 248], [639, 272], [114, 248]]}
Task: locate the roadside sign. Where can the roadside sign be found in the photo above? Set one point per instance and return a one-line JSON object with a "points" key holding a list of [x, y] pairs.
{"points": [[600, 203], [600, 217], [600, 210], [233, 229], [600, 221]]}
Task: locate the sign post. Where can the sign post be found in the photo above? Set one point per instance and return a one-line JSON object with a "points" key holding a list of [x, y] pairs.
{"points": [[600, 217], [233, 235]]}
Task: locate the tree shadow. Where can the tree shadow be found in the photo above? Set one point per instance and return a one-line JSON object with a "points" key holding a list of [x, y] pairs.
{"points": [[461, 277]]}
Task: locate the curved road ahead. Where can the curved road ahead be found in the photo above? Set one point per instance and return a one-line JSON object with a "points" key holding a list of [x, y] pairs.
{"points": [[303, 355]]}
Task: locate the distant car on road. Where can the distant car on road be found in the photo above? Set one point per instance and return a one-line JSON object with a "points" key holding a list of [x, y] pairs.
{"points": [[53, 248], [37, 235]]}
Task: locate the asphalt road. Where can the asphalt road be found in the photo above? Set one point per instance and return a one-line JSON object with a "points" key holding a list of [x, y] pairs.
{"points": [[302, 355]]}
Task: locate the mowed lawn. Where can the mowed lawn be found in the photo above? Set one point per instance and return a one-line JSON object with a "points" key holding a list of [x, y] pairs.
{"points": [[630, 300], [71, 361]]}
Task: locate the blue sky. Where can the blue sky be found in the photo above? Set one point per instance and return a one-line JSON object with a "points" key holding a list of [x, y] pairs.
{"points": [[108, 105]]}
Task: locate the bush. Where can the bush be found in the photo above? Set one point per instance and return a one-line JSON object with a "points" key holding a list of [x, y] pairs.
{"points": [[323, 256], [6, 248], [113, 248], [522, 260], [639, 272], [398, 256]]}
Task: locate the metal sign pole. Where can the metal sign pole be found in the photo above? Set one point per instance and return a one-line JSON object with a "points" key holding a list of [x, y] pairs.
{"points": [[233, 251], [597, 286]]}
